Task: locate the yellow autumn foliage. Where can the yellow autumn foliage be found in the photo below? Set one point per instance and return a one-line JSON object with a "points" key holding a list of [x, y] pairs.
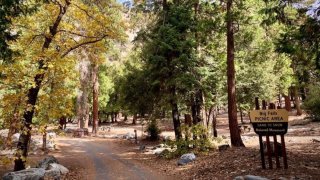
{"points": [[92, 27]]}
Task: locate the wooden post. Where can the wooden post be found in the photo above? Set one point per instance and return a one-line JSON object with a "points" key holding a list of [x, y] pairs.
{"points": [[264, 104], [269, 152], [136, 136], [275, 143], [256, 100], [284, 153], [263, 162]]}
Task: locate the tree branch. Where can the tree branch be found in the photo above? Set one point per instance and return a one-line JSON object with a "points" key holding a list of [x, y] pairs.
{"points": [[82, 44], [77, 34]]}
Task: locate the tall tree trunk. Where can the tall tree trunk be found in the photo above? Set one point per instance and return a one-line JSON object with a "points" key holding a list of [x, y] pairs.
{"points": [[44, 138], [287, 102], [175, 113], [24, 139], [208, 116], [214, 121], [303, 93], [297, 101], [82, 97], [95, 94], [112, 117], [232, 107], [134, 119]]}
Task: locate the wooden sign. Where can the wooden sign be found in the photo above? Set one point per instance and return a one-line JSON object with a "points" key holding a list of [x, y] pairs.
{"points": [[269, 122]]}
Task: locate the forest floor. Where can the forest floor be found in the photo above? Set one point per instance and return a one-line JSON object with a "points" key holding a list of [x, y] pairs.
{"points": [[302, 144], [115, 158]]}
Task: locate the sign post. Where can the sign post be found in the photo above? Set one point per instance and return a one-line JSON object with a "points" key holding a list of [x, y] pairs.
{"points": [[271, 122]]}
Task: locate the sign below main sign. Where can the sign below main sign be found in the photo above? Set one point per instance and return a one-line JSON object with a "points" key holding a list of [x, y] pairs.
{"points": [[269, 122]]}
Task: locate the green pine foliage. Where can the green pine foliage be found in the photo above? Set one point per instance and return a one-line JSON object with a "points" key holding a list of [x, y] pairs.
{"points": [[312, 103]]}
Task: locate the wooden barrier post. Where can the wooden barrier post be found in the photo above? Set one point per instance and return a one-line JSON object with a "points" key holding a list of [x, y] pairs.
{"points": [[136, 136], [275, 143], [269, 152], [284, 153], [263, 162]]}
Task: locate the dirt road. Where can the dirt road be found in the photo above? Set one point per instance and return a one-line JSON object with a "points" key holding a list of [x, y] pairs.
{"points": [[100, 159]]}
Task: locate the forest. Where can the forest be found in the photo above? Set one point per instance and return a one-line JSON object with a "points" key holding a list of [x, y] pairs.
{"points": [[184, 63]]}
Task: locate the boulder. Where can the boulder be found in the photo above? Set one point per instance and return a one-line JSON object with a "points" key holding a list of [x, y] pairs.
{"points": [[251, 177], [27, 174], [186, 158], [47, 161], [128, 136], [158, 151], [58, 167], [56, 170], [56, 175]]}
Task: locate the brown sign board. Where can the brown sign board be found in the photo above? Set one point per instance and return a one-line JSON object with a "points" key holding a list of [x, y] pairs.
{"points": [[270, 121]]}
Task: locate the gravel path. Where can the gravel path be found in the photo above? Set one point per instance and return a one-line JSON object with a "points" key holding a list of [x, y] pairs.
{"points": [[104, 159]]}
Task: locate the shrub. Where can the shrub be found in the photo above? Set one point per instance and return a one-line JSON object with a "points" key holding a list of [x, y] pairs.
{"points": [[312, 103], [188, 144], [153, 130]]}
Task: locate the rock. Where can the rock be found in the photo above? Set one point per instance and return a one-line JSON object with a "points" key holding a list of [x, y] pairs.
{"points": [[51, 135], [186, 158], [142, 147], [58, 167], [52, 173], [166, 138], [128, 136], [223, 147], [15, 137], [68, 130], [47, 161], [238, 178], [27, 174], [251, 177], [158, 151]]}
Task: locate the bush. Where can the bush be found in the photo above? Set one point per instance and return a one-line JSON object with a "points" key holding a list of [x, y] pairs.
{"points": [[188, 144], [153, 130], [312, 103]]}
